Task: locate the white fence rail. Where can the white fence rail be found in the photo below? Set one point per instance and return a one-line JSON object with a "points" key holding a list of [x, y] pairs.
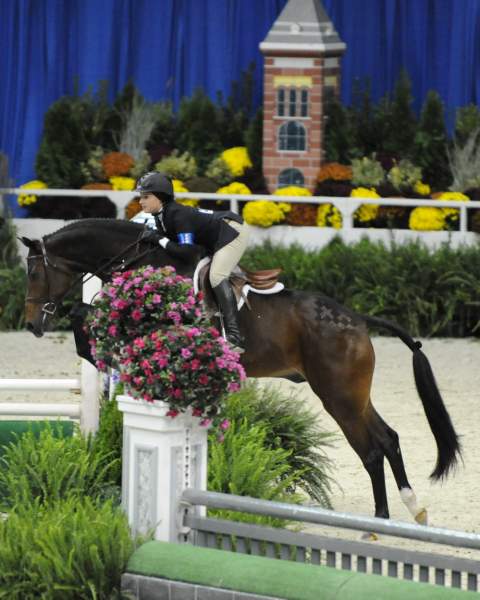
{"points": [[88, 385], [346, 205]]}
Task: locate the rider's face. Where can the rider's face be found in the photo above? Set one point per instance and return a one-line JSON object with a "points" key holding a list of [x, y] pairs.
{"points": [[150, 203]]}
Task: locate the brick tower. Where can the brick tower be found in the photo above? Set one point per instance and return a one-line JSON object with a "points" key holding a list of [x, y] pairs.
{"points": [[302, 54]]}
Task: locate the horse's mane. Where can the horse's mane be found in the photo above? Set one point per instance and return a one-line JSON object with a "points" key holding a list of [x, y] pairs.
{"points": [[99, 224]]}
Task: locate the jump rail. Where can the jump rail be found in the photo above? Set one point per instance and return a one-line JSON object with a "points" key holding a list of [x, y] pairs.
{"points": [[346, 205], [284, 544], [88, 386]]}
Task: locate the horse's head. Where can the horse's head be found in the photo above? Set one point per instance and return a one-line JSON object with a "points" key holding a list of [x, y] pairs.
{"points": [[49, 279]]}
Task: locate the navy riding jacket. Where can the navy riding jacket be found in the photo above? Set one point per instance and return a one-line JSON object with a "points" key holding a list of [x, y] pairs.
{"points": [[187, 226]]}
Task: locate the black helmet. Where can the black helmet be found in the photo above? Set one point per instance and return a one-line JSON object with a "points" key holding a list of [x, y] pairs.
{"points": [[156, 183]]}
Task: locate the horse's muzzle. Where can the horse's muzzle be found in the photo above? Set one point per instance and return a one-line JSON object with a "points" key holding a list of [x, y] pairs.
{"points": [[36, 332]]}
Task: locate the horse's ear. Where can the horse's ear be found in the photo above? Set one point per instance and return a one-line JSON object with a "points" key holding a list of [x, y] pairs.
{"points": [[26, 241]]}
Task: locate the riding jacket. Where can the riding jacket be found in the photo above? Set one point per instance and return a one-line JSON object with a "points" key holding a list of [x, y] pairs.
{"points": [[187, 226]]}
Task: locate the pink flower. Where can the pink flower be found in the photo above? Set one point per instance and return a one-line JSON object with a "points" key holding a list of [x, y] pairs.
{"points": [[177, 393], [119, 303], [197, 412], [185, 352], [156, 299], [225, 424], [193, 332], [117, 280], [206, 422], [102, 365], [172, 377], [114, 314], [233, 387], [220, 438], [112, 330], [139, 342], [195, 364], [136, 314], [203, 379], [172, 413]]}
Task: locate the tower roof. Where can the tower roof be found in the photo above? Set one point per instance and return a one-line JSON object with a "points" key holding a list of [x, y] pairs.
{"points": [[303, 27]]}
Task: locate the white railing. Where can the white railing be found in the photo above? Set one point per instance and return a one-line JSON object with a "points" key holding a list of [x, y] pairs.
{"points": [[88, 385], [346, 205]]}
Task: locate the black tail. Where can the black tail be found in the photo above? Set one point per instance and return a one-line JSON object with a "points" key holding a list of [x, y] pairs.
{"points": [[448, 445]]}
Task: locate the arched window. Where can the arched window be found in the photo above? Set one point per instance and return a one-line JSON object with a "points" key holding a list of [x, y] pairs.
{"points": [[291, 136], [291, 177]]}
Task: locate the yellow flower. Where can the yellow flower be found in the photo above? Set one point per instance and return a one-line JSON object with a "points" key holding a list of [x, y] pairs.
{"points": [[179, 186], [328, 215], [264, 213], [423, 189], [25, 200], [365, 212], [122, 184], [426, 218], [291, 190], [237, 159], [234, 188], [452, 213]]}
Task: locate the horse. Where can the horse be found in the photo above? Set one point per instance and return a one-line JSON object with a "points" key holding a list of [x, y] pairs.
{"points": [[293, 334]]}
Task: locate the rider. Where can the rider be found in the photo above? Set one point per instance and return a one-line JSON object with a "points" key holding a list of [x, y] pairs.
{"points": [[180, 228]]}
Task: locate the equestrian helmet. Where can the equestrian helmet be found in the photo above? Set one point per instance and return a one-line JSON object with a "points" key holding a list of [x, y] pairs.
{"points": [[155, 183]]}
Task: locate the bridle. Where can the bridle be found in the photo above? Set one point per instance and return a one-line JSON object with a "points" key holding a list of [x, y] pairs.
{"points": [[50, 305]]}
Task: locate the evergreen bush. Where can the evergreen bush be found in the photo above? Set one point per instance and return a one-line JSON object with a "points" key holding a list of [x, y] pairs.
{"points": [[50, 466], [429, 292], [400, 135], [13, 279], [292, 427], [430, 147], [72, 549]]}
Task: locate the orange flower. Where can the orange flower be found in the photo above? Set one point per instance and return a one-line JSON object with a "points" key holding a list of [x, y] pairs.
{"points": [[96, 186], [117, 163], [334, 171]]}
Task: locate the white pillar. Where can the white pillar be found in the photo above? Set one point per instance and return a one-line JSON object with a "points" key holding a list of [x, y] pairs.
{"points": [[161, 457], [90, 377]]}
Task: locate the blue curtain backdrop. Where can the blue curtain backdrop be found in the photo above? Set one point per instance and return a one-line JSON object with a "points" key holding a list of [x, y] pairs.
{"points": [[170, 47]]}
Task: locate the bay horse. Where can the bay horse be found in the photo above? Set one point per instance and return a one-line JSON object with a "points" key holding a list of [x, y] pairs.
{"points": [[292, 333]]}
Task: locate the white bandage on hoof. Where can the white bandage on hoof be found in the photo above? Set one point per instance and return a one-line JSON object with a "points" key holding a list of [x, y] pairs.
{"points": [[410, 500]]}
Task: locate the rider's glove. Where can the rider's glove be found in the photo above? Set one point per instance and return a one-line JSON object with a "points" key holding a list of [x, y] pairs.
{"points": [[150, 235]]}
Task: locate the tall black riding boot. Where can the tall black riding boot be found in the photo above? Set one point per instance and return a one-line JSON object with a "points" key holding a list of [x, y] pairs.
{"points": [[228, 307]]}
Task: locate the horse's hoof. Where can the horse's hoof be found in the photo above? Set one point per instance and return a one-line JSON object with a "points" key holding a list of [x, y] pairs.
{"points": [[422, 517], [369, 537]]}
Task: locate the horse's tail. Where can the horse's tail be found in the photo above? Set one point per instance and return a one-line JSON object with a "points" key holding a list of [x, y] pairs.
{"points": [[448, 445]]}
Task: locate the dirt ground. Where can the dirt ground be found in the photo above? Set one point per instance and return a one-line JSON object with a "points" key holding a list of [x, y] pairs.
{"points": [[454, 504]]}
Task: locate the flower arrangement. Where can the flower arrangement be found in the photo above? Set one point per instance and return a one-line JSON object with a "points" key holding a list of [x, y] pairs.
{"points": [[404, 175], [367, 172], [334, 171], [179, 186], [264, 213], [234, 188], [178, 166], [328, 215], [148, 323], [302, 215], [428, 218], [219, 171], [366, 212], [27, 199], [122, 184], [185, 366], [116, 163], [237, 160], [422, 189]]}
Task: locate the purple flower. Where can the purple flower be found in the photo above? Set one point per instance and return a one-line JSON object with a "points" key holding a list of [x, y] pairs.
{"points": [[225, 424]]}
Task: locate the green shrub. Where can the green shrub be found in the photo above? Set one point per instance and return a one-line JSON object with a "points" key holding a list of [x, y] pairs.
{"points": [[179, 166], [109, 438], [429, 292], [291, 426], [70, 550], [50, 466], [464, 160], [244, 465]]}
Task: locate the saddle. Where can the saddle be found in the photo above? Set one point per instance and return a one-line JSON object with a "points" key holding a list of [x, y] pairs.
{"points": [[241, 280]]}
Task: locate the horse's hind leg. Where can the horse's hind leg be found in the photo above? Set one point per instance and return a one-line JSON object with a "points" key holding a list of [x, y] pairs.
{"points": [[391, 445]]}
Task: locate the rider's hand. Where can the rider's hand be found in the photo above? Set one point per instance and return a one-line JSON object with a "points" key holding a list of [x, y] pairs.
{"points": [[151, 236]]}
